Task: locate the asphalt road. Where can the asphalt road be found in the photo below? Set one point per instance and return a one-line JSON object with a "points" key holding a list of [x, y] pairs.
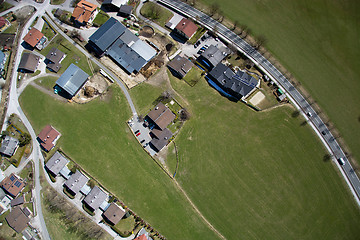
{"points": [[315, 121]]}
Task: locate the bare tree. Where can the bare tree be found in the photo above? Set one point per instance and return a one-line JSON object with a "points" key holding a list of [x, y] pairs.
{"points": [[236, 23], [260, 41], [214, 8]]}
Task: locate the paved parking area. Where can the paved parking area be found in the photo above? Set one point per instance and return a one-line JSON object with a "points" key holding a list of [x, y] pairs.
{"points": [[188, 50], [144, 136]]}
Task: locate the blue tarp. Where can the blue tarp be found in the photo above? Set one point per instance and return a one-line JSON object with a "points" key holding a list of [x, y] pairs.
{"points": [[219, 89]]}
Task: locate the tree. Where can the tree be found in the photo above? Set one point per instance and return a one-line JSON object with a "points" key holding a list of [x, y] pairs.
{"points": [[260, 41], [184, 115], [89, 91], [25, 138], [155, 11], [327, 157]]}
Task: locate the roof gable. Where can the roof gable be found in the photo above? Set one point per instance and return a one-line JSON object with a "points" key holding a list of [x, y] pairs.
{"points": [[187, 26], [33, 37], [72, 79], [56, 163]]}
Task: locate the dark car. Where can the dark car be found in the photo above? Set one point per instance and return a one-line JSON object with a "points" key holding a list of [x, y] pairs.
{"points": [[341, 161], [136, 131], [142, 141]]}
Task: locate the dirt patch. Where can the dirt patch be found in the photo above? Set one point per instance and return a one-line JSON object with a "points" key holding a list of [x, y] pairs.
{"points": [[147, 32], [95, 87], [23, 13], [257, 98]]}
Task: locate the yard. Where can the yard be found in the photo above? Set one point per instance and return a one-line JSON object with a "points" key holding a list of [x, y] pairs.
{"points": [[73, 55], [243, 168], [317, 42], [156, 13], [100, 18], [120, 164], [5, 6], [48, 31]]}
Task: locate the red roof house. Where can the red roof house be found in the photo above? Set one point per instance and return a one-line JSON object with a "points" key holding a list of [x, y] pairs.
{"points": [[186, 28], [33, 37], [84, 12], [48, 137], [12, 185], [142, 237]]}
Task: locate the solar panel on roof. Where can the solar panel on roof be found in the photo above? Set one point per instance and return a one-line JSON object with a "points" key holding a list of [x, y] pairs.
{"points": [[12, 178], [17, 184]]}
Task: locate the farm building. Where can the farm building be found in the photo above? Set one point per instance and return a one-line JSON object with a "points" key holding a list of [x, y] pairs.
{"points": [[71, 80], [113, 5], [125, 10]]}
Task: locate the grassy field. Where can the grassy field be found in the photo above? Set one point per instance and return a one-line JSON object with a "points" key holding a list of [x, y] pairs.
{"points": [[109, 152], [47, 82], [73, 55], [156, 13], [101, 18], [258, 175], [48, 31], [317, 41]]}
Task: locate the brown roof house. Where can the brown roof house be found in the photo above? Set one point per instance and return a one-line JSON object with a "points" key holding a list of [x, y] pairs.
{"points": [[17, 219], [160, 138], [56, 163], [113, 214], [76, 182], [186, 28], [161, 116], [48, 137], [35, 37], [95, 198], [13, 185], [180, 66], [84, 13], [53, 59], [28, 62]]}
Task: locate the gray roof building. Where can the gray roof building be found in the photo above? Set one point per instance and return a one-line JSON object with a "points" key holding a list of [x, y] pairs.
{"points": [[17, 201], [56, 163], [161, 140], [72, 79], [125, 10], [95, 198], [9, 146], [113, 4], [76, 182], [106, 35], [180, 66], [121, 45], [212, 56], [54, 58], [29, 62], [238, 85]]}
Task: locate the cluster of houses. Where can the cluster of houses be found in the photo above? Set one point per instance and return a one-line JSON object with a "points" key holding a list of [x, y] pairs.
{"points": [[233, 85], [11, 198], [122, 46]]}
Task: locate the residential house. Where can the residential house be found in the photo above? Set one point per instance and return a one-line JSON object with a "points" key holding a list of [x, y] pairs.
{"points": [[34, 37], [71, 81], [13, 185], [160, 138], [125, 10], [120, 44], [174, 21], [180, 66], [113, 5], [9, 146], [84, 13], [95, 198], [161, 116], [76, 182], [28, 62], [18, 201], [186, 28], [212, 56], [17, 219], [56, 163], [48, 137], [143, 235], [53, 59], [113, 214], [235, 86]]}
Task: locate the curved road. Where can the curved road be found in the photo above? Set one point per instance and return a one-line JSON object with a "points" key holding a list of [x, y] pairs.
{"points": [[315, 121]]}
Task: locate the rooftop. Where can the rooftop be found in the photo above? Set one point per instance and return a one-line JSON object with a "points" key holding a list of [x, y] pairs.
{"points": [[83, 11], [161, 115], [55, 55], [29, 62], [33, 37], [162, 138], [215, 55], [181, 65], [12, 185], [114, 213], [72, 79], [95, 198], [76, 182], [48, 137], [17, 219], [9, 145], [56, 163], [187, 27]]}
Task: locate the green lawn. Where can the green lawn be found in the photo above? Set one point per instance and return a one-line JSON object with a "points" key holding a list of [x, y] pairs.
{"points": [[73, 55], [257, 175], [156, 13], [47, 82], [193, 76], [5, 6], [57, 2], [100, 18], [48, 31], [96, 136], [317, 41]]}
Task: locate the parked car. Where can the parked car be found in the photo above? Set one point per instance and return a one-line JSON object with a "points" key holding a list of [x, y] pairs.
{"points": [[309, 114], [200, 51], [142, 141], [206, 46], [138, 134], [197, 44], [136, 131]]}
